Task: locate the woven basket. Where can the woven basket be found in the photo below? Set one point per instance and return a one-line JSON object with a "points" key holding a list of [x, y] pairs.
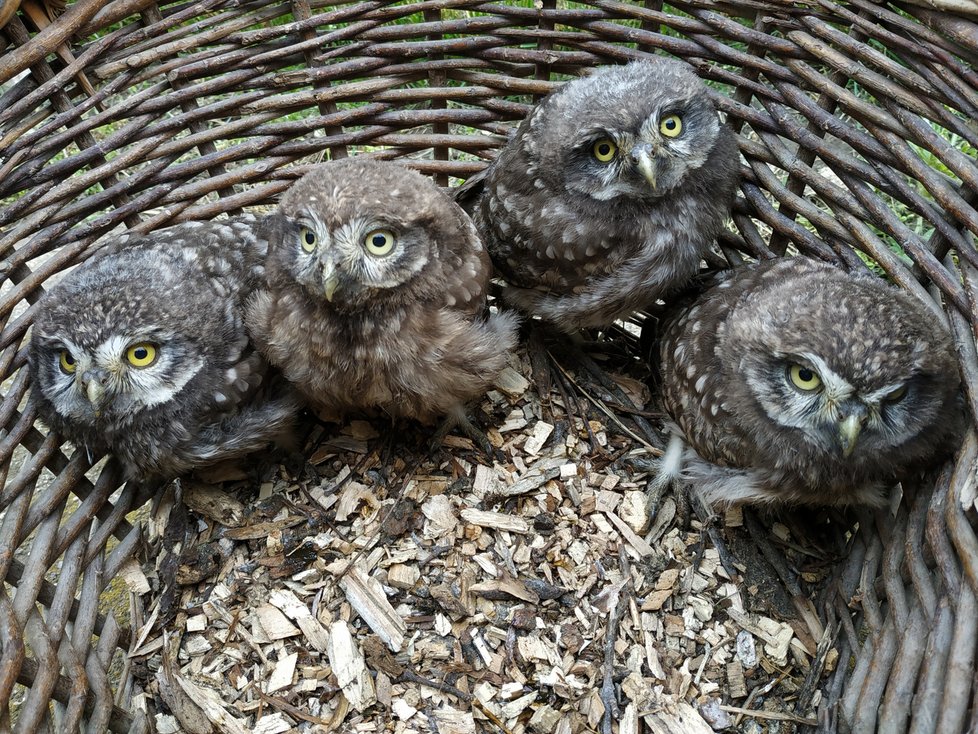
{"points": [[856, 125]]}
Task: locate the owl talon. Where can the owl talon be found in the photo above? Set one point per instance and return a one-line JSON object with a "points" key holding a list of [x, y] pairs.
{"points": [[460, 420], [662, 481]]}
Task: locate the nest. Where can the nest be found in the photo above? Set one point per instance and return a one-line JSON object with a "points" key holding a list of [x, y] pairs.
{"points": [[543, 592]]}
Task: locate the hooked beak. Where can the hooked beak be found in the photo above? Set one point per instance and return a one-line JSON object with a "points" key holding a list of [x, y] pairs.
{"points": [[93, 382], [644, 161], [849, 429], [331, 281]]}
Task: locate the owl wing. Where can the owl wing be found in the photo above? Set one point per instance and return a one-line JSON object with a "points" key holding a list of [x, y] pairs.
{"points": [[466, 271], [253, 407], [694, 376], [543, 237], [468, 194]]}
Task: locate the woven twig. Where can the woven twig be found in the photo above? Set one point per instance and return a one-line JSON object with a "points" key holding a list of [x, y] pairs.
{"points": [[855, 122]]}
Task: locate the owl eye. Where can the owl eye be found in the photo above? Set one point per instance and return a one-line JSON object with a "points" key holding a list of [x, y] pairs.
{"points": [[804, 378], [671, 126], [604, 150], [379, 242], [308, 239], [897, 395], [141, 355], [67, 362]]}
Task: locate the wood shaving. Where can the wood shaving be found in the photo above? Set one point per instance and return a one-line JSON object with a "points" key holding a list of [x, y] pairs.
{"points": [[387, 588]]}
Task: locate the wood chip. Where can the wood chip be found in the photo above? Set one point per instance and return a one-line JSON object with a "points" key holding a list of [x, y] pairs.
{"points": [[501, 583], [541, 432], [642, 548], [496, 520], [402, 709], [274, 624], [402, 576], [529, 484], [133, 577], [505, 587], [288, 603], [272, 724], [441, 516], [514, 708], [511, 382], [348, 666], [350, 498], [282, 673], [672, 716], [366, 596], [451, 721], [544, 720], [213, 503], [737, 686]]}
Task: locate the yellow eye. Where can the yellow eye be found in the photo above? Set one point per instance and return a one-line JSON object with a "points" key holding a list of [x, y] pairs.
{"points": [[68, 362], [308, 239], [604, 150], [897, 395], [141, 355], [379, 242], [804, 378], [671, 126]]}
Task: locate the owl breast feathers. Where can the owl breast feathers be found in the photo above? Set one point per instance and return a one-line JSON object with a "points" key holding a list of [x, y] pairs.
{"points": [[377, 295], [791, 380], [608, 194], [142, 350]]}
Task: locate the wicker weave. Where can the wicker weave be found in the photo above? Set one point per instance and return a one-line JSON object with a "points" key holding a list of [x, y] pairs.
{"points": [[141, 114]]}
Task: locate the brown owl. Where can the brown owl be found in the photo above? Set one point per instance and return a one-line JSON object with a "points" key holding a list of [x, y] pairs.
{"points": [[793, 381], [608, 194], [377, 296], [142, 350]]}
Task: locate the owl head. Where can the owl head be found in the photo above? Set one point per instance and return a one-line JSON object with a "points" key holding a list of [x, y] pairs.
{"points": [[367, 232], [103, 349], [846, 370], [631, 131]]}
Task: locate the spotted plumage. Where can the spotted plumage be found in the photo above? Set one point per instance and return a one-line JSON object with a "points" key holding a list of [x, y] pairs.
{"points": [[377, 295], [608, 194], [791, 380], [142, 350]]}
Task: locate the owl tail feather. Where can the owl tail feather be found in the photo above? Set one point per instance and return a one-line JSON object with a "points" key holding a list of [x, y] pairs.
{"points": [[250, 429]]}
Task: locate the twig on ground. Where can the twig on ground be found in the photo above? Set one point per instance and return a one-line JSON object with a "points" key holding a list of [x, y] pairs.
{"points": [[770, 715]]}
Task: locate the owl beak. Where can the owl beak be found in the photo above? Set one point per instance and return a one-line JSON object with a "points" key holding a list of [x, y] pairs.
{"points": [[93, 382], [644, 161], [849, 429], [331, 281]]}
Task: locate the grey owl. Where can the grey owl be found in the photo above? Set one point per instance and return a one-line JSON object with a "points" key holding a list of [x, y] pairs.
{"points": [[142, 350], [608, 194], [377, 296], [793, 381]]}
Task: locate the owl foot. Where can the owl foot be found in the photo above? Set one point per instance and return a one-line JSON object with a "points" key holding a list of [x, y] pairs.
{"points": [[459, 419]]}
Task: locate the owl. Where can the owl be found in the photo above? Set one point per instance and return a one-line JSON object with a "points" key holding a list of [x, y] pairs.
{"points": [[142, 350], [608, 194], [377, 296], [793, 381]]}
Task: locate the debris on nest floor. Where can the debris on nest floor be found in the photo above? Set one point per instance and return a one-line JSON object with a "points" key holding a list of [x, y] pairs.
{"points": [[382, 587]]}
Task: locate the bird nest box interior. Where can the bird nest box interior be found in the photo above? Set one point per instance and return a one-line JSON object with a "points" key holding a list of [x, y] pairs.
{"points": [[544, 588]]}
